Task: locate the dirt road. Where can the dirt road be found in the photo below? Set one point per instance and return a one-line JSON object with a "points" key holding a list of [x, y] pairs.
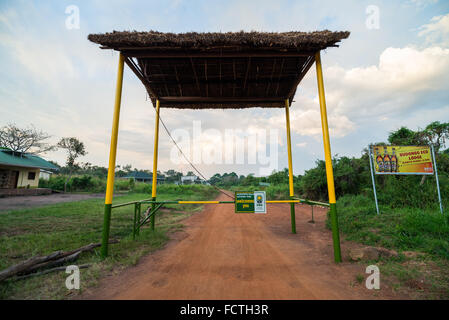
{"points": [[224, 255], [25, 202]]}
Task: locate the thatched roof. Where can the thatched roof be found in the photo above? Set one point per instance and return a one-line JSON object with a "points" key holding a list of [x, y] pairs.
{"points": [[220, 70]]}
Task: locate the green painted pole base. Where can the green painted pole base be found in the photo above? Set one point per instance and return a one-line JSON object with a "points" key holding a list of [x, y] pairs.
{"points": [[106, 224], [135, 221], [293, 217], [335, 232], [139, 210], [154, 215]]}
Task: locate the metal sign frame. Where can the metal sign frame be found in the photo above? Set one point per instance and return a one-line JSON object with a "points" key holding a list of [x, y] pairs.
{"points": [[371, 162]]}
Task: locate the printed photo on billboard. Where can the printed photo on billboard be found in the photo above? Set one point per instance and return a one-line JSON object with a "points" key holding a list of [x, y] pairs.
{"points": [[402, 160]]}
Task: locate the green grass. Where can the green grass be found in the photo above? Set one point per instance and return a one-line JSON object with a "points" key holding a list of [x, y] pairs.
{"points": [[425, 231], [66, 226]]}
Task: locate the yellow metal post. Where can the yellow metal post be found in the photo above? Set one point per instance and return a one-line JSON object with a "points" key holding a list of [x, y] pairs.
{"points": [[156, 146], [112, 157], [290, 166], [328, 158]]}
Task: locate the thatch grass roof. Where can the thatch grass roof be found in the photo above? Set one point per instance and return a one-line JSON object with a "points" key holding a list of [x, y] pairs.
{"points": [[317, 40], [220, 70]]}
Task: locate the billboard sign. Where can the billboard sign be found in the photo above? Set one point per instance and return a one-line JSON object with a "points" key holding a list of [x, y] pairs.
{"points": [[250, 202], [402, 160]]}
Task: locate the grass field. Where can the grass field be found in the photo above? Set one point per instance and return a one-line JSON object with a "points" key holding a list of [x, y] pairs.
{"points": [[420, 236], [66, 226]]}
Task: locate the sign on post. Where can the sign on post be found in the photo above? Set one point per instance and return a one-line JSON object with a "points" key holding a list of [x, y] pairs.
{"points": [[259, 202], [250, 202], [402, 160]]}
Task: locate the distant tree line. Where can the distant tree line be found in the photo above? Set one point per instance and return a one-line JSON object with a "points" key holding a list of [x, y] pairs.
{"points": [[351, 174]]}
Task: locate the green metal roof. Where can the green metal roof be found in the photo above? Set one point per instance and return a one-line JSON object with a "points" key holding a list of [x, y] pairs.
{"points": [[138, 175], [25, 160], [141, 175]]}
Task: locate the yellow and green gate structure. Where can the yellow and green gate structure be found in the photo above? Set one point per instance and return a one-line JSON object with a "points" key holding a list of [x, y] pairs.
{"points": [[231, 70]]}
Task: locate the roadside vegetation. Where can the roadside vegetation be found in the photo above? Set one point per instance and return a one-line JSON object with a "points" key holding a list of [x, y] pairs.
{"points": [[410, 221], [67, 226], [419, 235]]}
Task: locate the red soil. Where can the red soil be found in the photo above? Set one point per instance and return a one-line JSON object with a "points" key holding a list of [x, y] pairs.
{"points": [[224, 255]]}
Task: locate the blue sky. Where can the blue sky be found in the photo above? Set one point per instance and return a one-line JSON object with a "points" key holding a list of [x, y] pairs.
{"points": [[378, 80]]}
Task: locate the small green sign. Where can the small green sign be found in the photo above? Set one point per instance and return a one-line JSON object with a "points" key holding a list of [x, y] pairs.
{"points": [[244, 202]]}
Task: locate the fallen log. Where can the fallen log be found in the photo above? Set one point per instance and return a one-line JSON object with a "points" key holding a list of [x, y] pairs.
{"points": [[20, 267], [52, 260], [66, 257], [83, 266], [52, 263]]}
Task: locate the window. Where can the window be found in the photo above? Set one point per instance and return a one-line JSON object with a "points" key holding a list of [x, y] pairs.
{"points": [[31, 175]]}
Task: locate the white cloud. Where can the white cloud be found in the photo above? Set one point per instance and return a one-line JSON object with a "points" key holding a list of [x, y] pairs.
{"points": [[402, 77], [420, 4], [66, 84], [437, 31], [399, 84]]}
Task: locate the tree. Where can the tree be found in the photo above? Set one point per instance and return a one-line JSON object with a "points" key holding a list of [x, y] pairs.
{"points": [[172, 176], [436, 133], [75, 149], [215, 179], [404, 137], [28, 140]]}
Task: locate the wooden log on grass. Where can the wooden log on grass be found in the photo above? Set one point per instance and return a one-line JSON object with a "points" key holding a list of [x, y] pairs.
{"points": [[83, 266], [52, 263], [52, 260], [20, 267]]}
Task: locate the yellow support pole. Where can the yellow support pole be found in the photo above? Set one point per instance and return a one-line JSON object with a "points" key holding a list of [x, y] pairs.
{"points": [[156, 146], [290, 166], [328, 159], [112, 157]]}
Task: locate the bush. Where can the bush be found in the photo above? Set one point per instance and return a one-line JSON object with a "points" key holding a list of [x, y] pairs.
{"points": [[54, 183], [404, 229]]}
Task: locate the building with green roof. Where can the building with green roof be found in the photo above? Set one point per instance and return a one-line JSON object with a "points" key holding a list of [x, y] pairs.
{"points": [[21, 170], [140, 176]]}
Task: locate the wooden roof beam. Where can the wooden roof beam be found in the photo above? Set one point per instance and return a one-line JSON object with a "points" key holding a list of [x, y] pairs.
{"points": [[169, 55], [247, 73], [304, 71], [279, 78], [186, 99], [140, 75], [195, 76]]}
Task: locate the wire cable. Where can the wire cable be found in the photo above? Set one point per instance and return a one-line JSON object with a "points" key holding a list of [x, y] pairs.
{"points": [[185, 157]]}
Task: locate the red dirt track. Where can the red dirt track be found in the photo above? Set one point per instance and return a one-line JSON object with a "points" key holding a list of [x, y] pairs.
{"points": [[224, 255]]}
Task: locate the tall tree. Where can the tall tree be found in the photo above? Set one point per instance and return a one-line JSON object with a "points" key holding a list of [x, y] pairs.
{"points": [[404, 137], [75, 149], [24, 140], [437, 133]]}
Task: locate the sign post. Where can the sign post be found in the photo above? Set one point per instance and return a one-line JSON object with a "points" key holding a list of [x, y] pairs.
{"points": [[403, 160], [371, 160], [436, 178]]}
